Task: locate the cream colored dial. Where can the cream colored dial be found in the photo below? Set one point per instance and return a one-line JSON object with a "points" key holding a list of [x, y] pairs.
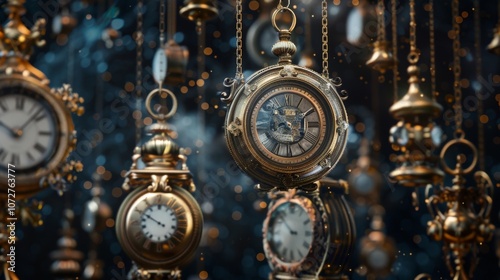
{"points": [[28, 130]]}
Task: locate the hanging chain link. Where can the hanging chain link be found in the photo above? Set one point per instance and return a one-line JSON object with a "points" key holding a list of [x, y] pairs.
{"points": [[413, 55], [324, 38], [139, 40], [239, 39], [457, 70], [432, 50], [479, 62], [380, 21], [161, 26], [394, 48]]}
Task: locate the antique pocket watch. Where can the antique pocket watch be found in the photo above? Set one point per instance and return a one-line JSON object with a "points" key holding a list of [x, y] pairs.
{"points": [[286, 125], [309, 234], [36, 129]]}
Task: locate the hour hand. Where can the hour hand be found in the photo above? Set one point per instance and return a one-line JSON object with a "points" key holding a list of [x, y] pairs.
{"points": [[11, 131]]}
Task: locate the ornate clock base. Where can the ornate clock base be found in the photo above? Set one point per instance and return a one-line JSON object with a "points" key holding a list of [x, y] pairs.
{"points": [[153, 274]]}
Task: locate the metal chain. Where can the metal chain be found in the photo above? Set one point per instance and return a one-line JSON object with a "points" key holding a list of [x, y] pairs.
{"points": [[239, 39], [413, 55], [380, 21], [394, 49], [457, 70], [478, 60], [161, 26], [172, 19], [324, 38], [139, 40], [432, 50]]}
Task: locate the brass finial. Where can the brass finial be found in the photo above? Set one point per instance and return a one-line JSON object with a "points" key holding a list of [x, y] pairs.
{"points": [[284, 48], [15, 38]]}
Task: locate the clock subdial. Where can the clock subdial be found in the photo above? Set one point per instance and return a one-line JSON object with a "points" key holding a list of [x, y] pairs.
{"points": [[289, 124], [158, 223], [290, 233], [28, 130]]}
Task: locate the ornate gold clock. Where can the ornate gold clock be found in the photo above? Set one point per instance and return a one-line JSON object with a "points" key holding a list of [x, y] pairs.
{"points": [[286, 125], [309, 234], [159, 224], [36, 129]]}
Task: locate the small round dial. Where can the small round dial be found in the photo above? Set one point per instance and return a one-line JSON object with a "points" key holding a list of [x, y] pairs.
{"points": [[288, 124], [28, 130], [158, 222], [290, 233]]}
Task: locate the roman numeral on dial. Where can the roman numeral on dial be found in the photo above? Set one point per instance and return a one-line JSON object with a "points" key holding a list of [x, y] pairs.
{"points": [[19, 103]]}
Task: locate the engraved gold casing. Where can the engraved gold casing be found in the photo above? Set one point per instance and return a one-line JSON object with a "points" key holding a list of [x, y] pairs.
{"points": [[174, 247], [286, 126], [28, 179]]}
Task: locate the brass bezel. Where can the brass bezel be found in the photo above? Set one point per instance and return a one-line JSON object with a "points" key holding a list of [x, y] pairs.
{"points": [[132, 239], [29, 183], [310, 264], [263, 168]]}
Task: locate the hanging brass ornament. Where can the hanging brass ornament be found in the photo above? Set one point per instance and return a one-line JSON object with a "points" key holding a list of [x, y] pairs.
{"points": [[465, 222], [199, 10], [66, 258], [415, 135], [494, 46], [382, 58], [309, 234], [159, 224], [378, 251]]}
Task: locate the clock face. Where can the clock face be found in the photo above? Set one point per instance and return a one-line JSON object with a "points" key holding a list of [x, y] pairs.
{"points": [[287, 124], [28, 129], [290, 232], [158, 222]]}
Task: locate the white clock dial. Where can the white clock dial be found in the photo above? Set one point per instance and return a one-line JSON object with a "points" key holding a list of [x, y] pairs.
{"points": [[290, 233], [28, 130], [158, 223]]}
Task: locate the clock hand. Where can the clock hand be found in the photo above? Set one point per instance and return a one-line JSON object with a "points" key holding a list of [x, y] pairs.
{"points": [[153, 219], [12, 131], [292, 232]]}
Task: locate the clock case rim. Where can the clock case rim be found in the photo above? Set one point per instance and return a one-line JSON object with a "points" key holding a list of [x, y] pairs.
{"points": [[244, 94], [192, 237], [319, 244], [29, 184], [340, 225]]}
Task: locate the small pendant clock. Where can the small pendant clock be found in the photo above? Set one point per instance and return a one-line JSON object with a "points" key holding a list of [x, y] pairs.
{"points": [[286, 125], [159, 224], [36, 129]]}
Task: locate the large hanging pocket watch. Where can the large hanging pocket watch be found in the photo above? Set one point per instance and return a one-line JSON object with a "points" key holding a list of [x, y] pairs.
{"points": [[309, 234], [286, 124], [36, 129]]}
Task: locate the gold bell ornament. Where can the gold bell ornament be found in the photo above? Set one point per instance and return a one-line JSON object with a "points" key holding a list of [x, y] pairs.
{"points": [[199, 10]]}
